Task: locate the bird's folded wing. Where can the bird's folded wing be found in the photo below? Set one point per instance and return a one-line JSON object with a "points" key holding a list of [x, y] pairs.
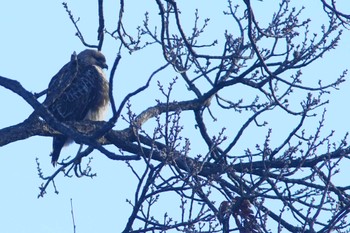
{"points": [[75, 101]]}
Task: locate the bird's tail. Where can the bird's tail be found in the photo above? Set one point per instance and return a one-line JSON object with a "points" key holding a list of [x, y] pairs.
{"points": [[57, 145]]}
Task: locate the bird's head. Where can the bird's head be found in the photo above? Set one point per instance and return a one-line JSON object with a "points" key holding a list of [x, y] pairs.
{"points": [[92, 57]]}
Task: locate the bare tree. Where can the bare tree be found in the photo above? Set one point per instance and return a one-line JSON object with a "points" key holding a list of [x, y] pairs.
{"points": [[286, 187]]}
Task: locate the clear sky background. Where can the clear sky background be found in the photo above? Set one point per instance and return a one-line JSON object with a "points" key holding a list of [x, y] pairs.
{"points": [[37, 39]]}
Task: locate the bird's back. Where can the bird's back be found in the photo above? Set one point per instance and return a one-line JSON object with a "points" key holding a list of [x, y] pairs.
{"points": [[84, 94]]}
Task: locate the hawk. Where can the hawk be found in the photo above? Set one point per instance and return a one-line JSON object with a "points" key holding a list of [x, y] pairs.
{"points": [[79, 91]]}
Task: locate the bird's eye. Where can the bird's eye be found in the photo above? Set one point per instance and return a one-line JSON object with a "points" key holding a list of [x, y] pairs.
{"points": [[101, 59]]}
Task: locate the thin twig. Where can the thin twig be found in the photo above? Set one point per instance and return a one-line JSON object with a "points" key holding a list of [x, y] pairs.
{"points": [[72, 213]]}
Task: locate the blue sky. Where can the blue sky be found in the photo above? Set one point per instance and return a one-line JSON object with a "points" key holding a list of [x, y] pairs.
{"points": [[37, 39]]}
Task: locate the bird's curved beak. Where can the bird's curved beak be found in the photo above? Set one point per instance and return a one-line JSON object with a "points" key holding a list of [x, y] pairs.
{"points": [[105, 66]]}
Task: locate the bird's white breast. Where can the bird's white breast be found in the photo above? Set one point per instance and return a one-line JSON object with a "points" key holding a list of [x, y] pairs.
{"points": [[99, 113]]}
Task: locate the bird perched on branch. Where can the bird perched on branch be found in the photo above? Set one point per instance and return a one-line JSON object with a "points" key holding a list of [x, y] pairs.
{"points": [[79, 91]]}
